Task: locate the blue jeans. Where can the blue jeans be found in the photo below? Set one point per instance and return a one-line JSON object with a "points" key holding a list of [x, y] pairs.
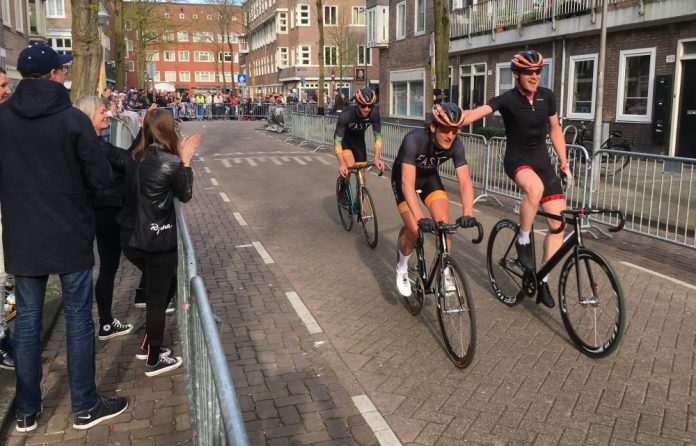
{"points": [[77, 306]]}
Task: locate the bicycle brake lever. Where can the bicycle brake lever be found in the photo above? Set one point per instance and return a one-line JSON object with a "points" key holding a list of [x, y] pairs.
{"points": [[478, 239]]}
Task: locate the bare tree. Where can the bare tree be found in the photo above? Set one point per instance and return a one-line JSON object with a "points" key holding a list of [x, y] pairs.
{"points": [[87, 48], [120, 44], [442, 33], [320, 22], [246, 8], [345, 39], [229, 27]]}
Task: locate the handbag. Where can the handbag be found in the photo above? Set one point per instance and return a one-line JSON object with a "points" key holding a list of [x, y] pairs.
{"points": [[152, 233]]}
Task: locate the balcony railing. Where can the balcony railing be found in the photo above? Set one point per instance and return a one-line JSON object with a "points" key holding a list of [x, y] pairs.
{"points": [[499, 15]]}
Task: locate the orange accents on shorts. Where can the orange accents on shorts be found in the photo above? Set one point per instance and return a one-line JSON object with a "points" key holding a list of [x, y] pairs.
{"points": [[435, 195], [403, 207]]}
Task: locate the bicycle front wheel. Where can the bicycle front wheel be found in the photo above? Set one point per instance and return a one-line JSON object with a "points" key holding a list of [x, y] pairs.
{"points": [[455, 311], [504, 271], [368, 218], [343, 203], [591, 303]]}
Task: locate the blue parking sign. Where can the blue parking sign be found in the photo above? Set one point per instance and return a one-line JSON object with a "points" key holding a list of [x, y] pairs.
{"points": [[241, 78], [302, 81]]}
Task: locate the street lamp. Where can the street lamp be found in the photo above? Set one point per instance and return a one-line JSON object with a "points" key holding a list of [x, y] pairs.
{"points": [[102, 22]]}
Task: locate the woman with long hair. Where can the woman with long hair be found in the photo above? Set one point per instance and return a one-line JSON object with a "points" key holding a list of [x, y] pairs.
{"points": [[107, 203], [156, 172]]}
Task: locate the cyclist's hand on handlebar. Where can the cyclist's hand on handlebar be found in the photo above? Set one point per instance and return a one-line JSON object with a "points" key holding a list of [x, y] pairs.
{"points": [[466, 222], [566, 175], [380, 165], [427, 224], [343, 170]]}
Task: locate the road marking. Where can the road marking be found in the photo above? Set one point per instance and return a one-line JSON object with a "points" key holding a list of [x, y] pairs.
{"points": [[379, 426], [240, 219], [677, 281], [225, 163], [251, 162], [324, 160], [200, 158], [225, 198], [281, 152], [214, 181], [300, 162], [244, 246], [276, 161], [263, 253], [303, 312], [207, 169]]}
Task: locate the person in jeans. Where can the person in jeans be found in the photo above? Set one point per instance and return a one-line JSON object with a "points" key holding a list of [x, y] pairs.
{"points": [[157, 171], [49, 159], [6, 361], [107, 204]]}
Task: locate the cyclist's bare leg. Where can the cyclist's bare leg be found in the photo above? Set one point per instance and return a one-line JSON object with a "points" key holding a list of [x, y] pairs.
{"points": [[350, 162], [408, 235], [439, 210], [530, 183], [553, 241]]}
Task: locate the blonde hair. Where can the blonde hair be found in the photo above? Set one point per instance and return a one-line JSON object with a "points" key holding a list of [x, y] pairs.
{"points": [[88, 105]]}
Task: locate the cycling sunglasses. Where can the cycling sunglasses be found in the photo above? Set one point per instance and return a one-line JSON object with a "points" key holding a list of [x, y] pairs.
{"points": [[364, 105], [530, 72]]}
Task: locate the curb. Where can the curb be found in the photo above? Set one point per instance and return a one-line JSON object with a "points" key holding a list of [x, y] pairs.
{"points": [[52, 308]]}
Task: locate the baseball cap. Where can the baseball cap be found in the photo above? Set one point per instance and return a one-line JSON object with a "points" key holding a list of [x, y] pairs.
{"points": [[40, 59]]}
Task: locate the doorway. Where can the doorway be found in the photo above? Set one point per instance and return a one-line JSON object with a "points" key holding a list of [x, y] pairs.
{"points": [[686, 134], [473, 90]]}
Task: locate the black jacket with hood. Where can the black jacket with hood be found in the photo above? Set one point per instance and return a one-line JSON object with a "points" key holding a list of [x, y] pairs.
{"points": [[50, 158]]}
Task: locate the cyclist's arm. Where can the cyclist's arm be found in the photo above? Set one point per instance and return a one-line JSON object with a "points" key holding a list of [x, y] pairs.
{"points": [[466, 190], [408, 187], [377, 132], [558, 140], [476, 114], [338, 143]]}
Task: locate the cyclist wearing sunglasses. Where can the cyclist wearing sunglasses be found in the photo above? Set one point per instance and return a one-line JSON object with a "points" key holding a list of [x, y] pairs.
{"points": [[415, 174], [529, 114], [349, 137]]}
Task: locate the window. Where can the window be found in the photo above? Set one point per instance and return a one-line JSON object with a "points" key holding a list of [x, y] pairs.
{"points": [[401, 20], [19, 15], [194, 16], [185, 76], [170, 76], [169, 56], [129, 46], [63, 45], [182, 36], [303, 55], [107, 43], [209, 17], [331, 55], [166, 15], [505, 80], [205, 76], [5, 5], [282, 22], [358, 16], [202, 56], [127, 25], [157, 76], [168, 37], [407, 94], [282, 57], [235, 58], [182, 16], [330, 15], [202, 37], [419, 24], [183, 56], [227, 57], [302, 15], [635, 90], [130, 65], [581, 82], [54, 8], [152, 56], [364, 55]]}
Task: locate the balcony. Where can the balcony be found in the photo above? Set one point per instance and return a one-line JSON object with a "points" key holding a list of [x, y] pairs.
{"points": [[243, 46]]}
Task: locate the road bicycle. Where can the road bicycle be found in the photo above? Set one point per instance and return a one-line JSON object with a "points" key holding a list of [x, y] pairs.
{"points": [[455, 307], [609, 164], [589, 293], [359, 205]]}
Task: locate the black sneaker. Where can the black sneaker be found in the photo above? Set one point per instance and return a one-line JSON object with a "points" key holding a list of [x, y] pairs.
{"points": [[544, 295], [27, 423], [104, 409], [115, 328], [6, 361], [165, 364], [525, 256], [142, 352]]}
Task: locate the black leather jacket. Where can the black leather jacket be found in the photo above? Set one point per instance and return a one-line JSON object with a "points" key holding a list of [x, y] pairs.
{"points": [[162, 177], [111, 196]]}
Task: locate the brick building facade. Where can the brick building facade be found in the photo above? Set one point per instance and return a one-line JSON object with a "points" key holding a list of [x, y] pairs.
{"points": [[22, 22]]}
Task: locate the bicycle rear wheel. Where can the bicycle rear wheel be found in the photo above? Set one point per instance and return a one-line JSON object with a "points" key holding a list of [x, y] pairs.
{"points": [[455, 311], [591, 303], [368, 218], [504, 271], [343, 203], [612, 163]]}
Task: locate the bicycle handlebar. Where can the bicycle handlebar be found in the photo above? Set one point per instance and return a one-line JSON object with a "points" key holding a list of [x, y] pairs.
{"points": [[587, 212], [359, 167], [452, 228]]}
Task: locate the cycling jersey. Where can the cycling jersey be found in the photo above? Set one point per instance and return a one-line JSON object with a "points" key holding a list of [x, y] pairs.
{"points": [[526, 127], [418, 149], [351, 128]]}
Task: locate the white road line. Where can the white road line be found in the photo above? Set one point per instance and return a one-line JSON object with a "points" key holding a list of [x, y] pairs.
{"points": [[276, 161], [214, 181], [251, 162], [200, 158], [225, 162], [244, 246], [323, 160], [237, 160], [309, 158], [263, 253], [303, 312], [299, 161], [379, 426], [677, 281], [225, 198], [240, 219], [207, 169]]}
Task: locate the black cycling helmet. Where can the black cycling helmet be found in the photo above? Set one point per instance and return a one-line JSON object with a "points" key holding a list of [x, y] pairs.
{"points": [[526, 60], [365, 96], [447, 114]]}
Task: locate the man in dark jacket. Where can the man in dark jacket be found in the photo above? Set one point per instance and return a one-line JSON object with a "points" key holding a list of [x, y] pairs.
{"points": [[49, 159]]}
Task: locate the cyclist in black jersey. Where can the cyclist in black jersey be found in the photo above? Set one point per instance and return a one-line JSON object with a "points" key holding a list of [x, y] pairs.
{"points": [[349, 137], [529, 114], [415, 174]]}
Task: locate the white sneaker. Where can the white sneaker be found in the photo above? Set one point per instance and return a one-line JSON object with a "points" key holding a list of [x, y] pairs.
{"points": [[402, 283], [450, 285]]}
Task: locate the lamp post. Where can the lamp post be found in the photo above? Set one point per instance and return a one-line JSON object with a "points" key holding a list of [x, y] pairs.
{"points": [[102, 22]]}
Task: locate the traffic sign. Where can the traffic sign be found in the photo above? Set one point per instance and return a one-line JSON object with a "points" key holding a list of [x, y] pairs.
{"points": [[302, 81], [242, 79]]}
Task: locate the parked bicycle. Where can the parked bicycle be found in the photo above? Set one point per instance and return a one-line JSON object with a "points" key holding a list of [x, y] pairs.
{"points": [[360, 204], [455, 305], [609, 164], [589, 294]]}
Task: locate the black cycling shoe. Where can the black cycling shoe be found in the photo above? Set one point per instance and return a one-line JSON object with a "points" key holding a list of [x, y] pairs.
{"points": [[525, 256], [544, 295]]}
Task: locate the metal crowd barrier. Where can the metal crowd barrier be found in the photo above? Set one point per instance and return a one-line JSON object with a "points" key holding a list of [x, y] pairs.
{"points": [[121, 134]]}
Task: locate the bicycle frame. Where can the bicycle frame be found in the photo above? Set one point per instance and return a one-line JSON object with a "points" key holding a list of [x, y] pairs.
{"points": [[428, 279], [358, 171]]}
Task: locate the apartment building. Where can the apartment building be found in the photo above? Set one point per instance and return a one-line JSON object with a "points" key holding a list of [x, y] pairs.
{"points": [[21, 22], [284, 47], [190, 55]]}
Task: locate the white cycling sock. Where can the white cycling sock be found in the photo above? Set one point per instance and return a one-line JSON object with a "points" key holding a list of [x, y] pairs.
{"points": [[545, 279], [523, 237], [402, 265]]}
